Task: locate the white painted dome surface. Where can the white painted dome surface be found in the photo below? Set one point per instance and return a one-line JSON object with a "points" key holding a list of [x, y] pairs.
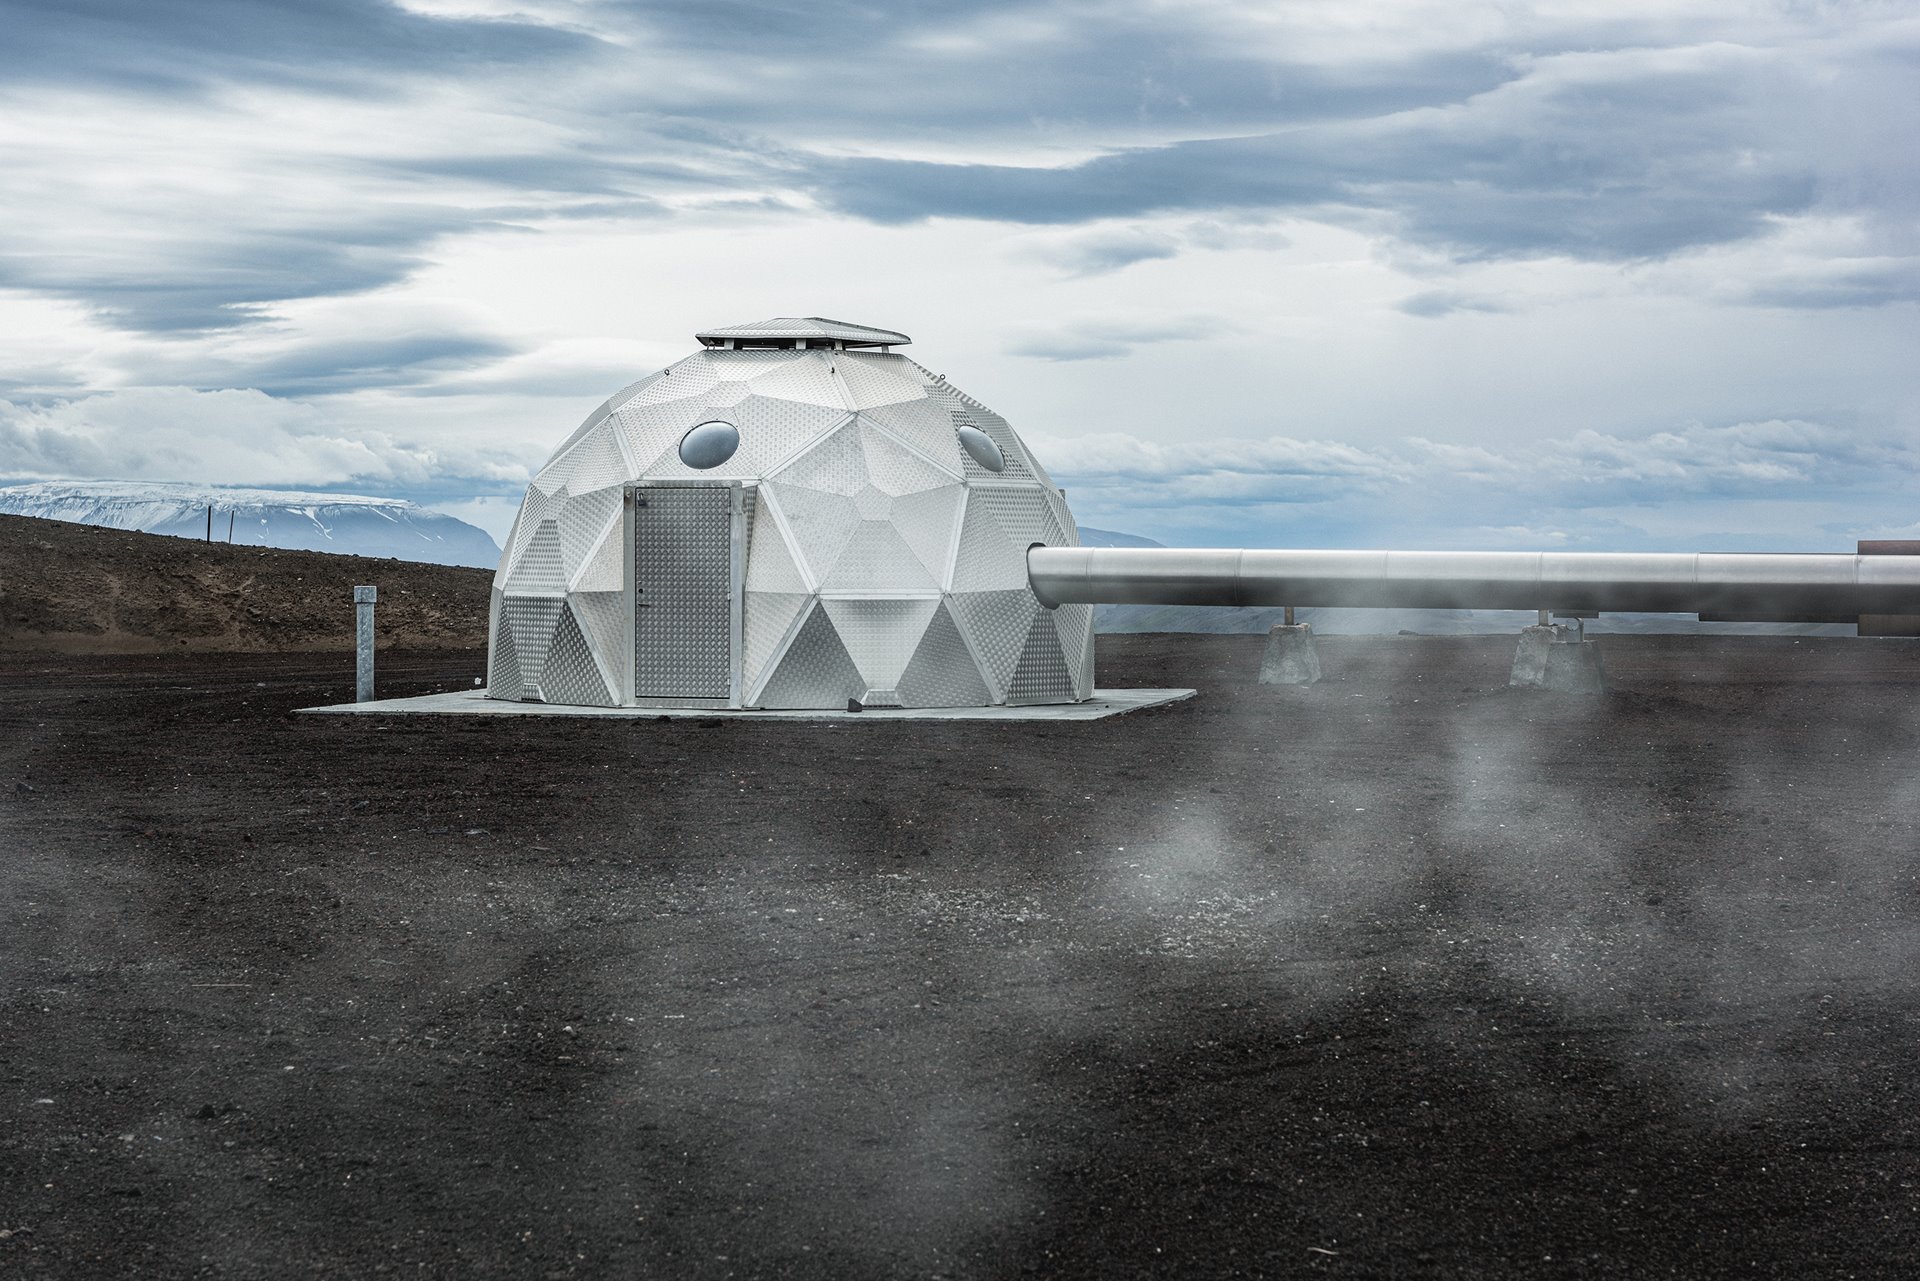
{"points": [[883, 562]]}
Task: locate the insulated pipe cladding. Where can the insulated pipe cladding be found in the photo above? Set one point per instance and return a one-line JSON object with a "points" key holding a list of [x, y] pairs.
{"points": [[1744, 586]]}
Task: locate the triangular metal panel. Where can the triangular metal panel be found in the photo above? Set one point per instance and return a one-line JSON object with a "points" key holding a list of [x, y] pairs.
{"points": [[809, 381], [603, 618], [877, 559], [815, 671], [650, 432], [942, 672], [927, 427], [896, 469], [536, 507], [989, 558], [727, 393], [584, 523], [533, 620], [928, 522], [503, 662], [570, 674], [769, 618], [996, 624], [771, 562], [689, 377], [820, 522], [880, 635], [540, 568], [1073, 624], [1041, 675], [605, 567], [877, 380], [836, 464], [1023, 512]]}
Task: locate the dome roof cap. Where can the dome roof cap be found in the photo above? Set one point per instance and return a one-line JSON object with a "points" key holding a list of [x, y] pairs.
{"points": [[799, 332]]}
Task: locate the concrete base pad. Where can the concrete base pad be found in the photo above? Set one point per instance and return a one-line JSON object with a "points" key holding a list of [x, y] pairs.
{"points": [[1105, 702], [1291, 657], [1550, 658]]}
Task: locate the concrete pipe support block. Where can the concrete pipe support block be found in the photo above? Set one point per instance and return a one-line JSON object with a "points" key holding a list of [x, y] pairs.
{"points": [[1550, 658], [1291, 658]]}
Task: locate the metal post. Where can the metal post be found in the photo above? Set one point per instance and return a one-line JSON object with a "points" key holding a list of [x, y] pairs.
{"points": [[363, 599]]}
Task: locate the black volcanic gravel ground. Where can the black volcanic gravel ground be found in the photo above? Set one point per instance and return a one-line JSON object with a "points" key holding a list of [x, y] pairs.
{"points": [[1403, 975]]}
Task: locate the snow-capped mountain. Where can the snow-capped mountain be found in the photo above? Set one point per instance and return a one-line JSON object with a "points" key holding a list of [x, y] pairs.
{"points": [[346, 523]]}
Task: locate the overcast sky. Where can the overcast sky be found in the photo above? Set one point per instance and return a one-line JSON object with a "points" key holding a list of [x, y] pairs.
{"points": [[1601, 274]]}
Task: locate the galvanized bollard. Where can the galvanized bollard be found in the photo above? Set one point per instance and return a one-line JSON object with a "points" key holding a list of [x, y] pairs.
{"points": [[363, 599]]}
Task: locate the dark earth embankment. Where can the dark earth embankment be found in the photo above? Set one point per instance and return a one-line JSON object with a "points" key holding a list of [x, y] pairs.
{"points": [[1403, 975], [81, 589]]}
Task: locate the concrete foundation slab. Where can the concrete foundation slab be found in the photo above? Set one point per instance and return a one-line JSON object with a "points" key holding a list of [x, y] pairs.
{"points": [[1292, 658], [1104, 703]]}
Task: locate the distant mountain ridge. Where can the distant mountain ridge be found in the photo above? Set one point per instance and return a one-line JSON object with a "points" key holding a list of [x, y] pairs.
{"points": [[350, 524]]}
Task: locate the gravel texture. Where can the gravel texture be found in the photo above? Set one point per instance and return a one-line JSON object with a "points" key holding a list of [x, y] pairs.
{"points": [[1405, 974]]}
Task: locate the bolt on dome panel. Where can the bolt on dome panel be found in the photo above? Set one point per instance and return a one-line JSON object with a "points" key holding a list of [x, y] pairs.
{"points": [[821, 524], [928, 522], [769, 618], [815, 670], [880, 635], [989, 559], [997, 624], [1041, 675], [541, 568], [942, 672], [570, 675]]}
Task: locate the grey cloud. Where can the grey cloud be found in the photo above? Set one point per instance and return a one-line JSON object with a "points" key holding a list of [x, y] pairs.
{"points": [[1586, 470], [1621, 158], [1844, 284], [1101, 339], [1445, 302], [182, 45], [1097, 252]]}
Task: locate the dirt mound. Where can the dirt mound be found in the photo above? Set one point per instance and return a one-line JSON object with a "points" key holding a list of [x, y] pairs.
{"points": [[81, 589]]}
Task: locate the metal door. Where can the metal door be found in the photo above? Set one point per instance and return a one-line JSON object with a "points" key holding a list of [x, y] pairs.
{"points": [[687, 561]]}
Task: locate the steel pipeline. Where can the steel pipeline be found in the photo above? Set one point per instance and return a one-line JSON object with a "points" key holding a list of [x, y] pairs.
{"points": [[1746, 584]]}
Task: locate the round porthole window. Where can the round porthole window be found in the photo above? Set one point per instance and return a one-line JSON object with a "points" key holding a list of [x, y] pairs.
{"points": [[709, 445], [981, 449]]}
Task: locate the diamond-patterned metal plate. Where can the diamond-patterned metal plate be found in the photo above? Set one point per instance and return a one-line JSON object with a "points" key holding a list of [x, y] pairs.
{"points": [[815, 670], [683, 592]]}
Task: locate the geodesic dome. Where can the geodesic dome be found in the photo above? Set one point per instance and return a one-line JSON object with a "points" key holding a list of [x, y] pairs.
{"points": [[792, 517]]}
